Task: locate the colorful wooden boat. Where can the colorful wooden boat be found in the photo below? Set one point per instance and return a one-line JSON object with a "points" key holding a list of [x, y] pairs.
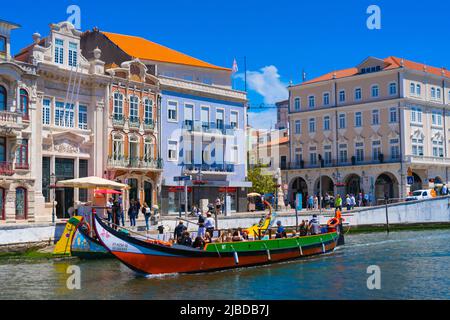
{"points": [[154, 257], [86, 247]]}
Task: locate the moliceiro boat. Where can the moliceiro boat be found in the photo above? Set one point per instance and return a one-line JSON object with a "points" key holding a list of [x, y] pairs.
{"points": [[148, 256]]}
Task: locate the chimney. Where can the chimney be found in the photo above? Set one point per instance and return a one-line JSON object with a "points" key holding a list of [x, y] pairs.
{"points": [[36, 37]]}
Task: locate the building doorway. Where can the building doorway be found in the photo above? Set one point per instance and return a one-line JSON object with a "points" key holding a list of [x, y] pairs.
{"points": [[327, 186], [353, 184], [299, 185], [386, 185], [134, 189], [417, 185], [64, 170], [148, 193]]}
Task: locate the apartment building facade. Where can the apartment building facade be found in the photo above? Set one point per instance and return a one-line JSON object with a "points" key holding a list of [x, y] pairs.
{"points": [[18, 116], [202, 122], [367, 128]]}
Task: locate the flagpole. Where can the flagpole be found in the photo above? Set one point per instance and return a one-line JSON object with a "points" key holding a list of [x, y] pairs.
{"points": [[245, 72]]}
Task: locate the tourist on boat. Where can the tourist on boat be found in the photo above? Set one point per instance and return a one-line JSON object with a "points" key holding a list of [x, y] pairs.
{"points": [[199, 243], [210, 224], [314, 226], [237, 236], [303, 229], [208, 237], [281, 232], [245, 235], [179, 229], [186, 239], [201, 225], [147, 212]]}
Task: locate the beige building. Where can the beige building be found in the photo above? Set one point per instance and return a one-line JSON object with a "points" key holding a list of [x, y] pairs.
{"points": [[365, 129]]}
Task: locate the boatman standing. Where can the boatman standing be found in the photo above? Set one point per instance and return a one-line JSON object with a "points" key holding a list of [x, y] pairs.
{"points": [[338, 216]]}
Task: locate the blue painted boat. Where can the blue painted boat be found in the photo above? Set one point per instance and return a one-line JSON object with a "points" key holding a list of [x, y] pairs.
{"points": [[86, 247]]}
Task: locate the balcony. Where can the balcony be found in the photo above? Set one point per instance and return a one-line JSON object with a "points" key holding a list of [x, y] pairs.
{"points": [[210, 168], [337, 163], [427, 160], [13, 120], [149, 125], [118, 120], [134, 122], [208, 128], [6, 169], [135, 163]]}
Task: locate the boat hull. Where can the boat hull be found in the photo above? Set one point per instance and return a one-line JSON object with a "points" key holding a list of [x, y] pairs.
{"points": [[150, 258], [85, 247]]}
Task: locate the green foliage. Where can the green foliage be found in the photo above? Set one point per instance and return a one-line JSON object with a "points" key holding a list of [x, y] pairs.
{"points": [[262, 183]]}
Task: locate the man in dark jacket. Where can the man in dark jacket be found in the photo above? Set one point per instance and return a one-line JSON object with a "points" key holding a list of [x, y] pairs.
{"points": [[179, 229]]}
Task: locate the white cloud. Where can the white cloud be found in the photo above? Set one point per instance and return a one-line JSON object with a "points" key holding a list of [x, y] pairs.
{"points": [[263, 119], [267, 83]]}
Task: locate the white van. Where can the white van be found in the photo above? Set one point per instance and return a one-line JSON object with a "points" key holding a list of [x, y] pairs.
{"points": [[421, 195]]}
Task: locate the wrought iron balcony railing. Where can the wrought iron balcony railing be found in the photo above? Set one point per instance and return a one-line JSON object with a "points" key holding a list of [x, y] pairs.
{"points": [[149, 124], [6, 169], [208, 127], [353, 161], [135, 163], [215, 167], [118, 120], [134, 122]]}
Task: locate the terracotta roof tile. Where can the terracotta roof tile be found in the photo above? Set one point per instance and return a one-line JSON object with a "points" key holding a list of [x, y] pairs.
{"points": [[144, 49]]}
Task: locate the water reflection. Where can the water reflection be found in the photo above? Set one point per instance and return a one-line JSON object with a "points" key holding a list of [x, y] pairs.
{"points": [[414, 265]]}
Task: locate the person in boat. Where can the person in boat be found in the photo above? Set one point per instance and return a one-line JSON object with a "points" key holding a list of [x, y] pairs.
{"points": [[208, 238], [293, 234], [281, 232], [245, 235], [314, 226], [199, 243], [237, 236], [186, 239], [210, 224], [201, 225], [179, 229], [303, 229]]}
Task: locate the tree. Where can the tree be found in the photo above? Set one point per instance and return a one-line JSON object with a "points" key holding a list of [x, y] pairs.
{"points": [[262, 183]]}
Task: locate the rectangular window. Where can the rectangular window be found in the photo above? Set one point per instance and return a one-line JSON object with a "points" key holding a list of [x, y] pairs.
{"points": [[69, 115], [297, 104], [376, 150], [375, 91], [204, 117], [393, 89], [343, 157], [412, 89], [59, 114], [220, 116], [436, 118], [83, 173], [342, 96], [234, 120], [82, 118], [433, 93], [2, 44], [313, 157], [73, 54], [342, 121], [298, 127], [395, 149], [326, 123], [326, 99], [189, 115], [358, 94], [22, 155], [46, 111], [327, 153], [359, 147], [118, 106], [59, 51], [172, 154], [358, 119], [172, 111], [312, 101], [375, 117], [312, 125], [393, 115]]}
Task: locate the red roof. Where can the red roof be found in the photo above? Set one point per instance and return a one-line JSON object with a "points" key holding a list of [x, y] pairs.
{"points": [[391, 63]]}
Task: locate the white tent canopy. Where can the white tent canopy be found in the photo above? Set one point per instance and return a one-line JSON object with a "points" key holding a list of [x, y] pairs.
{"points": [[92, 183]]}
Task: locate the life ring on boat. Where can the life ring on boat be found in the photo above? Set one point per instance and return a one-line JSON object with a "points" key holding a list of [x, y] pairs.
{"points": [[333, 222]]}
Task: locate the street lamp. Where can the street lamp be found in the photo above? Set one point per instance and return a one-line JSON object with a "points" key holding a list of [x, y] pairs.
{"points": [[53, 185]]}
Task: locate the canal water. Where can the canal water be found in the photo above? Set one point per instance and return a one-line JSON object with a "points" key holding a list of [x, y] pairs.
{"points": [[413, 265]]}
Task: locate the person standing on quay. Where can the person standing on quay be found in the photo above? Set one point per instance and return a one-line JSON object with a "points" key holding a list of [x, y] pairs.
{"points": [[132, 213], [338, 202]]}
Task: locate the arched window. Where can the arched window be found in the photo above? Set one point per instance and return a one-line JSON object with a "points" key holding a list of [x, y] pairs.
{"points": [[118, 153], [21, 204], [2, 204], [148, 149], [3, 98], [24, 101]]}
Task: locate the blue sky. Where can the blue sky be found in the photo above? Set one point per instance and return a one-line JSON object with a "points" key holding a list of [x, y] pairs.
{"points": [[279, 38]]}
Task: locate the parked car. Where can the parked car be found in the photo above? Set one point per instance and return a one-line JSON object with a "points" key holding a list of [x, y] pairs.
{"points": [[422, 195]]}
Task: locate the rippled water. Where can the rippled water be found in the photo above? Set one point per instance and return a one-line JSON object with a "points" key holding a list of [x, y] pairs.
{"points": [[414, 265]]}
